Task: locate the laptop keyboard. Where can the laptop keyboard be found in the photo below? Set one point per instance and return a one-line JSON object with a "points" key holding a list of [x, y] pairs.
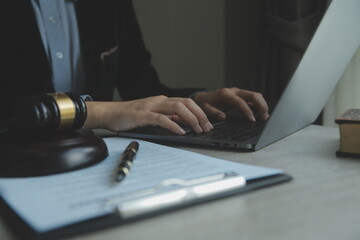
{"points": [[235, 129]]}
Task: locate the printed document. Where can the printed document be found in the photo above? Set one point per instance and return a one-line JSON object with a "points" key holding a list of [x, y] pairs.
{"points": [[55, 201]]}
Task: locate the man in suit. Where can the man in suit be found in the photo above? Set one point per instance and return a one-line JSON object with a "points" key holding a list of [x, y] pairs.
{"points": [[90, 47]]}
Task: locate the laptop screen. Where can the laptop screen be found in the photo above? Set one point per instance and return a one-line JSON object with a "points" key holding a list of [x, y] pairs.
{"points": [[326, 53]]}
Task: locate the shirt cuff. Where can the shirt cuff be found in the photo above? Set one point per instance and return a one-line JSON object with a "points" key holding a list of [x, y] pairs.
{"points": [[86, 98]]}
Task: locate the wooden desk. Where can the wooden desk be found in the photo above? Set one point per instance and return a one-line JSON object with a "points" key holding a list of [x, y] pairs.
{"points": [[322, 201]]}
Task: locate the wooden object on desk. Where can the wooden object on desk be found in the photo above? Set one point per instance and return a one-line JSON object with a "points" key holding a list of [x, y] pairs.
{"points": [[27, 156], [349, 125]]}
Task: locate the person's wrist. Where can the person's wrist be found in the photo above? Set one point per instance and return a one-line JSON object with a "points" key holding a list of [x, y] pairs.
{"points": [[94, 115]]}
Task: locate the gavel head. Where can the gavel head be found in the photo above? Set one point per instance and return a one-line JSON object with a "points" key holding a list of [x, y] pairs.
{"points": [[48, 114]]}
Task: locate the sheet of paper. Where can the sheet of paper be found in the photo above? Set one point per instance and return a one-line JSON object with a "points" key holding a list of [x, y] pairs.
{"points": [[50, 202]]}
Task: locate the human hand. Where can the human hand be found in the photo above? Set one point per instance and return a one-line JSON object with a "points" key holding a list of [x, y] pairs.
{"points": [[216, 102], [156, 111]]}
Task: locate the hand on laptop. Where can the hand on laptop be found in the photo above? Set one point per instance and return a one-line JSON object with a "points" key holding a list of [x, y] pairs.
{"points": [[170, 112], [156, 111], [216, 102]]}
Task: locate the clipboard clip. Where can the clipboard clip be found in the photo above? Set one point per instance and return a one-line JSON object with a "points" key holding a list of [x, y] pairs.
{"points": [[184, 192]]}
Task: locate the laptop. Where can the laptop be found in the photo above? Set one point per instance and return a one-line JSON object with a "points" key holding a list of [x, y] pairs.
{"points": [[324, 61]]}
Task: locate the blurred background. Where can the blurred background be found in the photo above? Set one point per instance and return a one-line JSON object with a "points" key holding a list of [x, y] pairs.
{"points": [[224, 43]]}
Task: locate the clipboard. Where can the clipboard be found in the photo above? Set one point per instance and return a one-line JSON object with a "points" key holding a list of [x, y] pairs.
{"points": [[23, 231], [169, 195]]}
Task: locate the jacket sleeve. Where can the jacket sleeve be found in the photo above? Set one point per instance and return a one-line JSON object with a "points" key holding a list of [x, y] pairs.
{"points": [[137, 76]]}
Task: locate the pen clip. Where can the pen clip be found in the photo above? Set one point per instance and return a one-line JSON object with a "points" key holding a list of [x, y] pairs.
{"points": [[166, 183], [153, 199]]}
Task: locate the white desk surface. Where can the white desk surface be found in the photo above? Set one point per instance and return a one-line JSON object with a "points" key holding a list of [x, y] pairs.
{"points": [[321, 202]]}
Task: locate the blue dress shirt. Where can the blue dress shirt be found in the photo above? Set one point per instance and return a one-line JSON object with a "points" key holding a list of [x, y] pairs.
{"points": [[60, 36]]}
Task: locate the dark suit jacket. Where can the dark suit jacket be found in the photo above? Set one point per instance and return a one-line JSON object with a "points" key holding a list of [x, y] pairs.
{"points": [[112, 47]]}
